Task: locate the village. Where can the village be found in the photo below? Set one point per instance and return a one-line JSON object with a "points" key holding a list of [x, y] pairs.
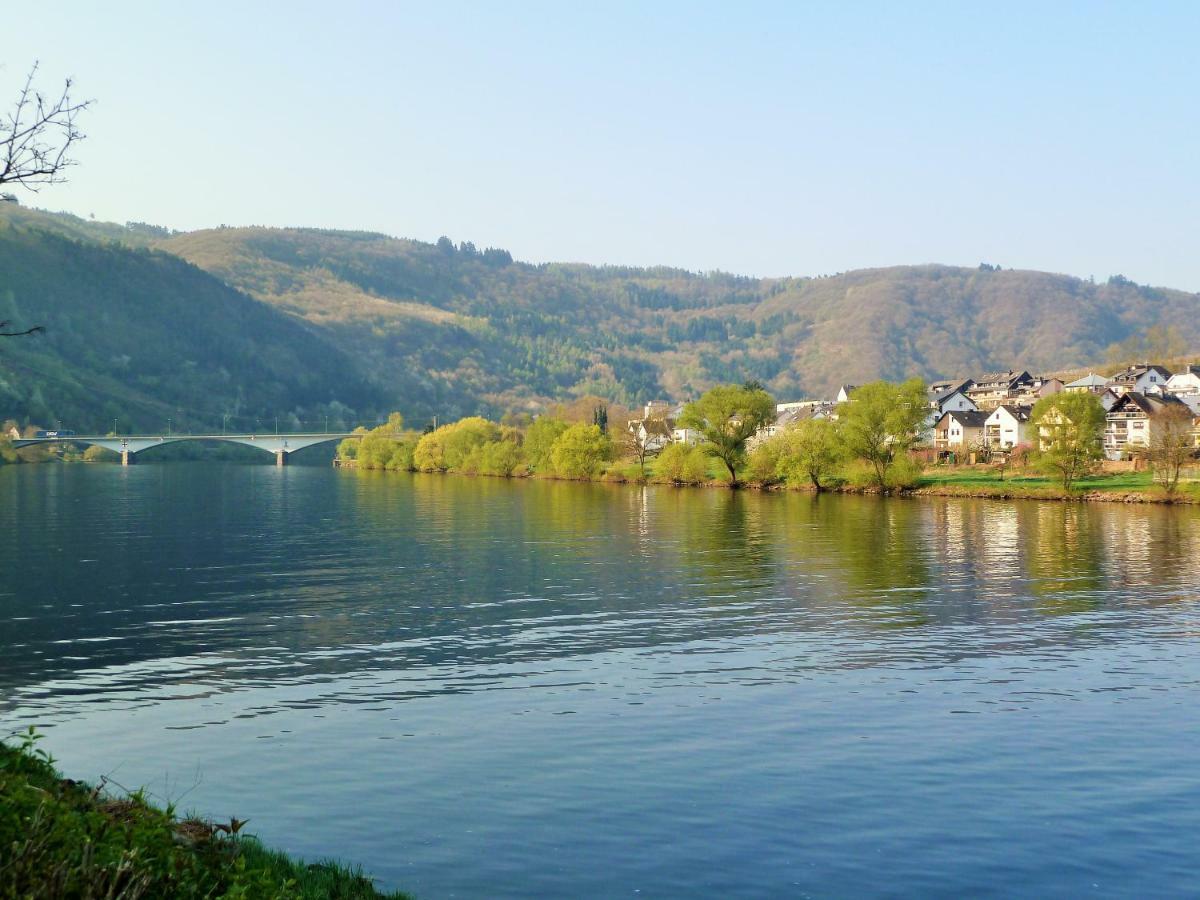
{"points": [[975, 420]]}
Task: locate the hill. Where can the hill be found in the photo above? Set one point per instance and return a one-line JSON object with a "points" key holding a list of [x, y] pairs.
{"points": [[452, 330], [480, 325], [141, 336]]}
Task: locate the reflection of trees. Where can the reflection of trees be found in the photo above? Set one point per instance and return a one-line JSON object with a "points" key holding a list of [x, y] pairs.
{"points": [[1064, 552], [723, 541], [866, 551]]}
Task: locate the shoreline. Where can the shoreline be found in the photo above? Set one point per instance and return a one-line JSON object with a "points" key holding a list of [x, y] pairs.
{"points": [[72, 837], [1005, 491]]}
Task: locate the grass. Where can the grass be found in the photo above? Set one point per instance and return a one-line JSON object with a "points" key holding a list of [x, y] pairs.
{"points": [[62, 838], [984, 481]]}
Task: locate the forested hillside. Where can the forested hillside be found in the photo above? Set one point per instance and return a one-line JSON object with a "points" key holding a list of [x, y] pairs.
{"points": [[139, 337], [478, 324], [452, 330]]}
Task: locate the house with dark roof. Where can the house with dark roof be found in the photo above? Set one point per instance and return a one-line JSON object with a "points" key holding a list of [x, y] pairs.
{"points": [[1130, 423], [1140, 378], [1006, 426], [995, 388], [959, 430]]}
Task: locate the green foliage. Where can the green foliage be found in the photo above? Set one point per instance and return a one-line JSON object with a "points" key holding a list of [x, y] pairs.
{"points": [[352, 323], [681, 464], [447, 448], [880, 422], [62, 839], [580, 451], [809, 452], [502, 457], [380, 448], [96, 453], [726, 417], [539, 442], [1070, 429]]}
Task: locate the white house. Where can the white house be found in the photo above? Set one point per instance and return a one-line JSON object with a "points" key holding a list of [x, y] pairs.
{"points": [[844, 392], [1185, 383], [1140, 378], [1130, 422], [1006, 427], [959, 430]]}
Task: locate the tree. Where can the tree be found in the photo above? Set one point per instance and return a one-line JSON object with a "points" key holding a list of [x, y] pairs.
{"points": [[36, 138], [681, 464], [539, 442], [645, 438], [1172, 445], [811, 451], [1070, 428], [726, 417], [880, 421], [580, 451]]}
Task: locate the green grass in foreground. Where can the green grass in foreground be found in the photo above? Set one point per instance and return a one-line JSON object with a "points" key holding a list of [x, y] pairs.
{"points": [[60, 838]]}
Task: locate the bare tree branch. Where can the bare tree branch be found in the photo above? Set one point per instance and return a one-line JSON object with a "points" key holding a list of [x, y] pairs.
{"points": [[37, 136]]}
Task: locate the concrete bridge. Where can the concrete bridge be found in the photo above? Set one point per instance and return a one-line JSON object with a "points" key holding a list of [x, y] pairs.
{"points": [[282, 445]]}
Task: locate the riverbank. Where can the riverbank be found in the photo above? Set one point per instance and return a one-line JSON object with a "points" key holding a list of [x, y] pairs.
{"points": [[60, 837], [973, 482]]}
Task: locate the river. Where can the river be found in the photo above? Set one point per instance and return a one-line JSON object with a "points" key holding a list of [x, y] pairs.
{"points": [[480, 687]]}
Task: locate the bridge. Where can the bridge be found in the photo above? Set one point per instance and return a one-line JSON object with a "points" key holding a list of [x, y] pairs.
{"points": [[282, 445]]}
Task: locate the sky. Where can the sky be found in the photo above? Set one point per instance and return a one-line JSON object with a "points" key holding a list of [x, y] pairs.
{"points": [[758, 138]]}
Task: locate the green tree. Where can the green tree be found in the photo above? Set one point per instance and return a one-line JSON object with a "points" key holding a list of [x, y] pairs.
{"points": [[1070, 428], [539, 442], [810, 450], [726, 417], [448, 447], [1172, 445], [880, 422], [580, 451], [377, 446], [681, 464]]}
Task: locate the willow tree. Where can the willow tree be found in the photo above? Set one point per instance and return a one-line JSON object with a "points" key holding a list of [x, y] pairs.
{"points": [[1070, 428], [880, 422], [726, 418]]}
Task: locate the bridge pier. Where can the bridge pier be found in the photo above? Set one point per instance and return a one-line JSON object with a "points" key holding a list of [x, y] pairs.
{"points": [[281, 457], [127, 458]]}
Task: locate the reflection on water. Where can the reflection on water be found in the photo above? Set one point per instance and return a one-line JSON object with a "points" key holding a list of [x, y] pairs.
{"points": [[482, 686]]}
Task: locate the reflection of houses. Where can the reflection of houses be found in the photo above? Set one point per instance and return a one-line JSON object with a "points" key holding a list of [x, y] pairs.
{"points": [[959, 430], [1006, 427], [1130, 423], [995, 388], [1140, 378]]}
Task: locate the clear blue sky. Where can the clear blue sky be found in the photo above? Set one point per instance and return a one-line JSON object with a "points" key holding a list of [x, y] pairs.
{"points": [[764, 139]]}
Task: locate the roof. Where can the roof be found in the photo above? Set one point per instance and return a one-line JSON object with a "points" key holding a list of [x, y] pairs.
{"points": [[1020, 413], [1151, 406], [1007, 378], [970, 418], [1090, 380], [949, 386], [1133, 373]]}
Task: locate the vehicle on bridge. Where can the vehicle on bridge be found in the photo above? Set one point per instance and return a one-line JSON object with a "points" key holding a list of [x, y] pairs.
{"points": [[55, 434]]}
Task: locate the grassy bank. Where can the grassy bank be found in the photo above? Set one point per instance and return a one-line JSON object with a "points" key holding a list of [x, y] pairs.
{"points": [[977, 481], [62, 838], [980, 481]]}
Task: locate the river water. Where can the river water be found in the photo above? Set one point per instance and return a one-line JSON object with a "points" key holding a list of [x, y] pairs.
{"points": [[479, 687]]}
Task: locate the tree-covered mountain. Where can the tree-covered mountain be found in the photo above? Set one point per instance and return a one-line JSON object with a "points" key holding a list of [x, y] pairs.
{"points": [[452, 330], [137, 337]]}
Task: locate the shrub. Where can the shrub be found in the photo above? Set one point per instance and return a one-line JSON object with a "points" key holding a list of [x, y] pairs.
{"points": [[681, 464], [580, 451]]}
